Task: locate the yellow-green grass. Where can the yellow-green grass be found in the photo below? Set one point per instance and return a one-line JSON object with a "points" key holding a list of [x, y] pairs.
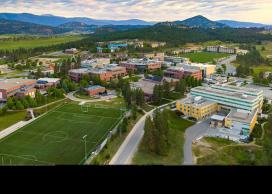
{"points": [[114, 144], [204, 57], [176, 139], [268, 49], [262, 68], [225, 152], [37, 42], [57, 137], [11, 118]]}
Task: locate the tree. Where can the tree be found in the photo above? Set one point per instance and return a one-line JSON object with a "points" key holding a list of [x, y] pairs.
{"points": [[19, 105], [10, 103], [134, 112], [149, 136], [124, 125], [157, 94], [219, 71], [166, 89], [162, 132], [224, 68]]}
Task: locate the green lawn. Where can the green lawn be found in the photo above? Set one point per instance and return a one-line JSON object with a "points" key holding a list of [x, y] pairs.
{"points": [[56, 138], [204, 57], [261, 68], [11, 118], [37, 42], [175, 154], [268, 49], [225, 152]]}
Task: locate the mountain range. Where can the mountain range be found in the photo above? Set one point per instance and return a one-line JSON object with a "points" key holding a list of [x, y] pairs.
{"points": [[51, 20], [50, 24]]}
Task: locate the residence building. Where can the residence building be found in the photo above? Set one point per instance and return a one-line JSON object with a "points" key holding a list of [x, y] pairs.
{"points": [[141, 65], [17, 87]]}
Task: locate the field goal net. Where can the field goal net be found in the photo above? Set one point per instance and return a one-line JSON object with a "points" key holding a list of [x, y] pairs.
{"points": [[85, 107]]}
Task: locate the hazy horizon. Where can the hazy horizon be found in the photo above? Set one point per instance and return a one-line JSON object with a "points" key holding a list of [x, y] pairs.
{"points": [[148, 10]]}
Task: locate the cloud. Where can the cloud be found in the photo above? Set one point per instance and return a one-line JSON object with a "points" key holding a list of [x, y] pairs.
{"points": [[152, 10]]}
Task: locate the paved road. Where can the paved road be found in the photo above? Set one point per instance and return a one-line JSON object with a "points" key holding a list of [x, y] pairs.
{"points": [[129, 147], [227, 61], [72, 97], [191, 134]]}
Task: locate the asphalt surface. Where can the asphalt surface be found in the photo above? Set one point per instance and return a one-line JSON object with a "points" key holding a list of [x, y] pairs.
{"points": [[193, 133], [227, 61], [129, 147]]}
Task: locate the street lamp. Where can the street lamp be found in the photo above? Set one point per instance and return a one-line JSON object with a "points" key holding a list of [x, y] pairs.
{"points": [[85, 145]]}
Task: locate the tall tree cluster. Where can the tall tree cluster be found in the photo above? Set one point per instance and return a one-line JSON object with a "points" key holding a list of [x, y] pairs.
{"points": [[156, 137]]}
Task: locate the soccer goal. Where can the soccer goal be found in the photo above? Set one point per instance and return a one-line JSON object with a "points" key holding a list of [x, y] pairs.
{"points": [[85, 108]]}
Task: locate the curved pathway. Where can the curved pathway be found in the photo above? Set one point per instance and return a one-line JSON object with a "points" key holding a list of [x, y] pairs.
{"points": [[73, 98], [191, 134]]}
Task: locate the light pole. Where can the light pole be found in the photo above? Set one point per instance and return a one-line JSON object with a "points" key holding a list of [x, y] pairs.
{"points": [[85, 145]]}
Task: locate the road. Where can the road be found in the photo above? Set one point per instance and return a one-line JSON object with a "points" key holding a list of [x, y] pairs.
{"points": [[129, 147], [191, 134], [73, 98], [227, 61]]}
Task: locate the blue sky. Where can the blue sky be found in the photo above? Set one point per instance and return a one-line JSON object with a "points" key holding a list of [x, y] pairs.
{"points": [[150, 10]]}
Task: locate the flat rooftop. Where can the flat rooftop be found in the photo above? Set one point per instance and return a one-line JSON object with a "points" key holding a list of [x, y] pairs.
{"points": [[241, 116], [11, 83], [234, 94], [197, 103]]}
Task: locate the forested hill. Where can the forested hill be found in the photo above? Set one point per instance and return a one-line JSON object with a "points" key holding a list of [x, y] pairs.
{"points": [[175, 35], [17, 27]]}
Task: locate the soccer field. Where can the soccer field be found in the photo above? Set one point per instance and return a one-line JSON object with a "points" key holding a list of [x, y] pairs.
{"points": [[57, 137]]}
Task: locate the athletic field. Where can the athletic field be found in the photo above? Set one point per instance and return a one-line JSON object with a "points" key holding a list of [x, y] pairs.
{"points": [[57, 137]]}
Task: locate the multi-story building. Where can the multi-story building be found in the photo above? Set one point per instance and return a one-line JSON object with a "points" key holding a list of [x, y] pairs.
{"points": [[207, 69], [107, 73], [77, 74], [156, 44], [197, 107], [117, 46], [179, 73], [94, 90], [174, 60], [17, 87], [45, 83], [154, 55], [141, 65], [97, 62], [231, 96], [221, 49]]}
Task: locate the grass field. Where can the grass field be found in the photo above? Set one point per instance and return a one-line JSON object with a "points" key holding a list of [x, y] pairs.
{"points": [[215, 151], [56, 137], [204, 57], [11, 118], [268, 49], [175, 155], [261, 68], [37, 42]]}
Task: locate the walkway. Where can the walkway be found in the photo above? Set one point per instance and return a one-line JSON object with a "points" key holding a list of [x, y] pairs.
{"points": [[125, 153]]}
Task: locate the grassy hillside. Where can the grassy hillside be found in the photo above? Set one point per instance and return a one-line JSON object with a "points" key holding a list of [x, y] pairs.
{"points": [[36, 42], [204, 57]]}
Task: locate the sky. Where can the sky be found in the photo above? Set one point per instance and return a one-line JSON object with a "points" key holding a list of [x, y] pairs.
{"points": [[149, 10]]}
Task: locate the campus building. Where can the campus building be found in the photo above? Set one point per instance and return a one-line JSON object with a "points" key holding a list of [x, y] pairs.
{"points": [[197, 107], [117, 46], [97, 62], [141, 65], [206, 69], [154, 55], [17, 87], [180, 72], [236, 97], [221, 49], [45, 83], [107, 73], [95, 90]]}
